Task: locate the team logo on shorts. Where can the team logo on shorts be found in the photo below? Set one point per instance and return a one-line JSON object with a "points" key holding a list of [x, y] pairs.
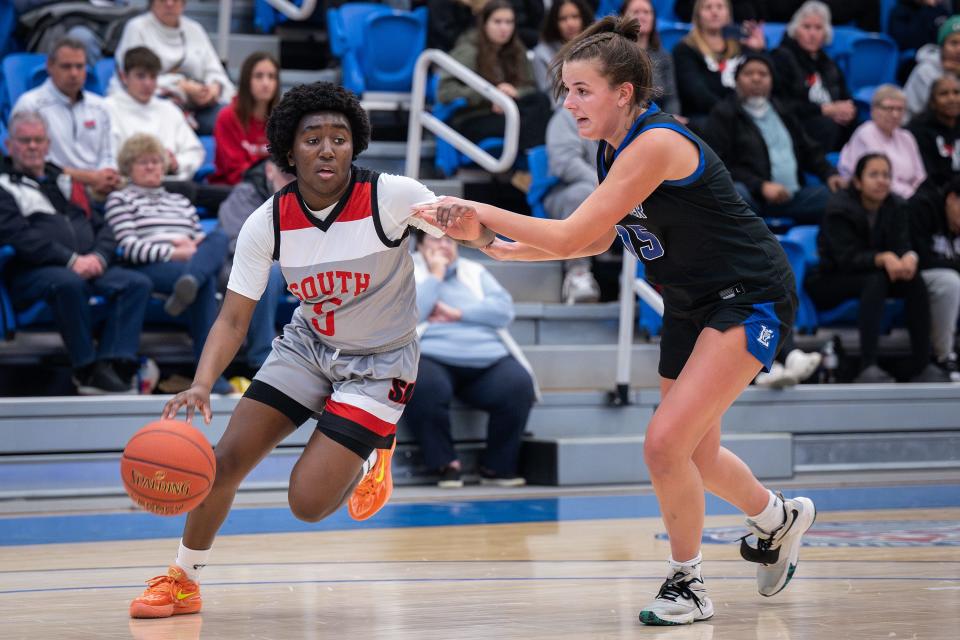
{"points": [[880, 533], [765, 335]]}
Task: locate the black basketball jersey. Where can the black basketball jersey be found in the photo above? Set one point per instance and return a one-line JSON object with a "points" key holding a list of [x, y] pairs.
{"points": [[699, 240]]}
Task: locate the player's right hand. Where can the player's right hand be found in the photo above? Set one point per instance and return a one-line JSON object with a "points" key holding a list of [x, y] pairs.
{"points": [[196, 397]]}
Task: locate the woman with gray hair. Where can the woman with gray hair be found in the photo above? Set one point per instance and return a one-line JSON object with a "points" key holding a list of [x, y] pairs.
{"points": [[809, 82], [883, 133], [159, 234]]}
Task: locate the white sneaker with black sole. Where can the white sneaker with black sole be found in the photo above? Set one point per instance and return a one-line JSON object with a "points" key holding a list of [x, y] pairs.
{"points": [[682, 599], [778, 551]]}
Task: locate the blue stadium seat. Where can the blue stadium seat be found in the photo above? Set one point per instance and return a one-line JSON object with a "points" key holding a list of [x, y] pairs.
{"points": [[17, 69], [447, 159], [210, 147], [539, 165], [664, 10], [104, 72], [671, 33], [872, 61], [24, 71], [3, 137], [392, 44], [806, 321], [886, 7], [839, 48], [608, 8], [773, 32], [8, 23]]}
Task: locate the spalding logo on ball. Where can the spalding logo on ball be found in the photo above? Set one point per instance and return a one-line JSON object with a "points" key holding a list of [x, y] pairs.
{"points": [[168, 467]]}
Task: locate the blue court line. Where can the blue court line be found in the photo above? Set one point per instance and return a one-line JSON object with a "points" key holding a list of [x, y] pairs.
{"points": [[656, 577], [141, 526]]}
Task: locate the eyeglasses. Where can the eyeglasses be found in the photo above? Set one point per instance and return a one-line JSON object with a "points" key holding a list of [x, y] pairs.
{"points": [[28, 140], [143, 162], [889, 108]]}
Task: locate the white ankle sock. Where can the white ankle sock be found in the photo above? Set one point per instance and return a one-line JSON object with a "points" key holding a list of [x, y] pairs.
{"points": [[772, 515], [693, 563], [192, 560], [368, 463]]}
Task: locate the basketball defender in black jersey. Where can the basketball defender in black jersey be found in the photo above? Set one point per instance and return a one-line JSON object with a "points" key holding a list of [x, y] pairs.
{"points": [[729, 298]]}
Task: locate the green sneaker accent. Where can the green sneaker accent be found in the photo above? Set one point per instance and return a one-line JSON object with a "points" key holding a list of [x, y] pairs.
{"points": [[649, 617]]}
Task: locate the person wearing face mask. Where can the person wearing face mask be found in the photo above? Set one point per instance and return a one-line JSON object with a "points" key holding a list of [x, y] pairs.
{"points": [[865, 253], [766, 151]]}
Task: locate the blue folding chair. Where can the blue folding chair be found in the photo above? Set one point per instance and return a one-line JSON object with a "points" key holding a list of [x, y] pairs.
{"points": [[17, 71], [672, 33], [773, 32], [210, 148], [806, 321], [539, 164], [104, 72], [873, 61], [392, 44], [839, 48]]}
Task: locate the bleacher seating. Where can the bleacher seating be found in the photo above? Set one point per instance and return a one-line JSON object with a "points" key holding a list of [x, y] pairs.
{"points": [[672, 33], [104, 71], [871, 61], [773, 33], [24, 71], [447, 159], [207, 168], [377, 46]]}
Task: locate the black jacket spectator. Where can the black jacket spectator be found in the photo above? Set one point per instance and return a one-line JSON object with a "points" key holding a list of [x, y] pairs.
{"points": [[736, 139], [745, 10], [794, 69], [937, 246], [699, 86], [939, 145], [43, 239], [846, 242]]}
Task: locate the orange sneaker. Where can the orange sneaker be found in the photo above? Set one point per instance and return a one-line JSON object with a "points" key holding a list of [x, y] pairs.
{"points": [[171, 595], [375, 488]]}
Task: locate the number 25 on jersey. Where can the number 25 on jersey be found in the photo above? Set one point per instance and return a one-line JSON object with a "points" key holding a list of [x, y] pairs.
{"points": [[647, 244]]}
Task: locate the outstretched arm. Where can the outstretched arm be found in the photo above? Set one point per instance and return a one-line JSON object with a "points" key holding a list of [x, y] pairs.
{"points": [[520, 252], [654, 157]]}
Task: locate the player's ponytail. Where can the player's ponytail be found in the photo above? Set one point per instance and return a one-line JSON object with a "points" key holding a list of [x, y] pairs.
{"points": [[612, 41]]}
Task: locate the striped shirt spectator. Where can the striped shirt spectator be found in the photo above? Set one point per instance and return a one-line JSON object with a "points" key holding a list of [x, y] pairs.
{"points": [[147, 221]]}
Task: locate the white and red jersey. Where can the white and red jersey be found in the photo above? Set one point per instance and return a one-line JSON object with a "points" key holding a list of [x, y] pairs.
{"points": [[349, 265]]}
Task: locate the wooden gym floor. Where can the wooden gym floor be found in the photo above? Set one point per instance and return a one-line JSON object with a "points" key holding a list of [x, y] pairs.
{"points": [[881, 562]]}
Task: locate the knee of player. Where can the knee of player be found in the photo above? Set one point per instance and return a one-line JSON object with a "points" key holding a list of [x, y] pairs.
{"points": [[308, 509], [661, 454], [229, 471]]}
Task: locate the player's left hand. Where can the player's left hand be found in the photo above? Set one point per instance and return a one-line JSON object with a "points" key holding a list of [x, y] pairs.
{"points": [[457, 217]]}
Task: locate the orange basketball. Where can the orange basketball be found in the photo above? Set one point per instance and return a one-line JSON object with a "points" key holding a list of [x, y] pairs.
{"points": [[168, 467]]}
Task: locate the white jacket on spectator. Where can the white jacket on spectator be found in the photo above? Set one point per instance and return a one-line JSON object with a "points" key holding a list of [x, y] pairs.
{"points": [[161, 119], [184, 52], [79, 132]]}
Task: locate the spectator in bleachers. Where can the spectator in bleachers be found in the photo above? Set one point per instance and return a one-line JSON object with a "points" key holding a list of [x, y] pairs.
{"points": [[933, 60], [494, 51], [241, 129], [648, 38], [865, 253], [565, 19], [465, 352], [937, 130], [65, 255], [137, 109], [449, 19], [707, 57], [159, 233], [766, 149], [78, 123], [935, 225], [914, 23], [259, 182], [809, 82], [572, 160], [191, 73], [883, 133]]}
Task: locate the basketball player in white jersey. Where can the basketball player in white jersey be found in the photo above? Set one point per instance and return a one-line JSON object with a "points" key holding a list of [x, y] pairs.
{"points": [[349, 354]]}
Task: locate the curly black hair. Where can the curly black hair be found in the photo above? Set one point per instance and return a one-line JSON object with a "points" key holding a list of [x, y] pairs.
{"points": [[314, 98]]}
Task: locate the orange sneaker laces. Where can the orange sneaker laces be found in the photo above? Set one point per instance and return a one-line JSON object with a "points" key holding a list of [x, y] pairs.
{"points": [[159, 583]]}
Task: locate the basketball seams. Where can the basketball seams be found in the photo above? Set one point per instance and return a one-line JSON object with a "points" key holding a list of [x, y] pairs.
{"points": [[166, 430]]}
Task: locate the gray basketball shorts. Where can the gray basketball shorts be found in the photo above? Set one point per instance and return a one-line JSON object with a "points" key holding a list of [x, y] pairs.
{"points": [[357, 396]]}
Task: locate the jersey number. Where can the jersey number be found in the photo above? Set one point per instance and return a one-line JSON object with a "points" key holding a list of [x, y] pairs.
{"points": [[328, 328], [649, 244]]}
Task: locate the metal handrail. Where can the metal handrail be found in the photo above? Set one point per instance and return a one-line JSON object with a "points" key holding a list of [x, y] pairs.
{"points": [[630, 286], [292, 11], [420, 118]]}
